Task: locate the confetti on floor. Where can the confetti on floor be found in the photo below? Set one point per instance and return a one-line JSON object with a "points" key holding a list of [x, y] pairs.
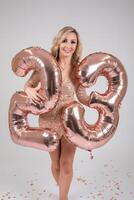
{"points": [[109, 185]]}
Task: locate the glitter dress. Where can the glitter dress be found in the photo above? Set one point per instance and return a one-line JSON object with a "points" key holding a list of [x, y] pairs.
{"points": [[53, 119]]}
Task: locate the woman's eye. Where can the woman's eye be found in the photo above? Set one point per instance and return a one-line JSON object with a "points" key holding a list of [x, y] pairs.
{"points": [[65, 40], [73, 42]]}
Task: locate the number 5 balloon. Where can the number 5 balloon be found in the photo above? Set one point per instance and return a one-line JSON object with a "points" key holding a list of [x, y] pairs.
{"points": [[80, 133], [37, 59]]}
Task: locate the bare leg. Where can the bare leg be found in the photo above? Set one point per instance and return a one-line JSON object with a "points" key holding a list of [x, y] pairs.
{"points": [[55, 165], [66, 168]]}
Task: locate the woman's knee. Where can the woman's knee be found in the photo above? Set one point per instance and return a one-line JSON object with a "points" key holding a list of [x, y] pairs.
{"points": [[55, 166], [66, 166]]}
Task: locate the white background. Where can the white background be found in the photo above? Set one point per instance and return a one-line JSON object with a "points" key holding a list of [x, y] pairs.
{"points": [[103, 26]]}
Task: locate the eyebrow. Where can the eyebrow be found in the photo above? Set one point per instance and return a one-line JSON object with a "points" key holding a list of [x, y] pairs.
{"points": [[71, 39]]}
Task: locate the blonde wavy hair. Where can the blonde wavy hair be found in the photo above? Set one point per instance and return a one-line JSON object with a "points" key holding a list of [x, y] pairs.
{"points": [[57, 40]]}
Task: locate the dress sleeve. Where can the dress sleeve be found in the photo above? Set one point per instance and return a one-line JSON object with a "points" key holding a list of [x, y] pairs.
{"points": [[33, 81]]}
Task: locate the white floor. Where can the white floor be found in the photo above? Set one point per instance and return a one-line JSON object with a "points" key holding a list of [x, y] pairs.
{"points": [[25, 175]]}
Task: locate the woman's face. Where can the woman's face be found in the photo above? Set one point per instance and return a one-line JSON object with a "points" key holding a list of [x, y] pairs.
{"points": [[68, 45]]}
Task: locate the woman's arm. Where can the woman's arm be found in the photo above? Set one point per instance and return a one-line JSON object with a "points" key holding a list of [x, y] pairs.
{"points": [[32, 87], [33, 81]]}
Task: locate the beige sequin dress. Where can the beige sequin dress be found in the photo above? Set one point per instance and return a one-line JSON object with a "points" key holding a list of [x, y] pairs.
{"points": [[52, 119]]}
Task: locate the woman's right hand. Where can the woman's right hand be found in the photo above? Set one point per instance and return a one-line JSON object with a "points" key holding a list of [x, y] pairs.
{"points": [[33, 95]]}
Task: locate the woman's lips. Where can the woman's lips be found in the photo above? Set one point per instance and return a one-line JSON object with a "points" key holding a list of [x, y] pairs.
{"points": [[67, 51]]}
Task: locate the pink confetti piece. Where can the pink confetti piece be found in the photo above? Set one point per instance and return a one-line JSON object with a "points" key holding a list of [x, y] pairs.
{"points": [[99, 194], [131, 193], [50, 195], [105, 165]]}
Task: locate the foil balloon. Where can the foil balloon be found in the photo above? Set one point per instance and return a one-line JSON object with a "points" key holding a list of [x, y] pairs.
{"points": [[78, 131], [37, 59]]}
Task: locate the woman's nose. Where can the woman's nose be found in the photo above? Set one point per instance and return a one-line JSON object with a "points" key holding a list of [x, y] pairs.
{"points": [[68, 44]]}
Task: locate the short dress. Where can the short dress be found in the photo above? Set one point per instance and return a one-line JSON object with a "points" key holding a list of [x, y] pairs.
{"points": [[53, 119]]}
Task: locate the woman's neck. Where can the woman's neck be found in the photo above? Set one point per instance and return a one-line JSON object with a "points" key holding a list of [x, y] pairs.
{"points": [[65, 63]]}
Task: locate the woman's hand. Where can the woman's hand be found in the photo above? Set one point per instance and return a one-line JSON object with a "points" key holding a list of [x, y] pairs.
{"points": [[33, 95]]}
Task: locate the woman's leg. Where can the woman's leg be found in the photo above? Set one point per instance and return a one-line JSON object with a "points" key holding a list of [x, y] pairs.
{"points": [[66, 167], [55, 164]]}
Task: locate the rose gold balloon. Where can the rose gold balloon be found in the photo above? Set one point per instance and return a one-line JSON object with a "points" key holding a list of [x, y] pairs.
{"points": [[37, 59], [80, 133]]}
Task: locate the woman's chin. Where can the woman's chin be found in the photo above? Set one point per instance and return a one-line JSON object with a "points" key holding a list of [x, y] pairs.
{"points": [[66, 54]]}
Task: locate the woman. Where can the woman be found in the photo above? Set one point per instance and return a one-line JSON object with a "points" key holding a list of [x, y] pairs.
{"points": [[67, 51]]}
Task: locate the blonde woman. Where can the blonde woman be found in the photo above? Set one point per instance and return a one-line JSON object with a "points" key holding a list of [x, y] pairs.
{"points": [[67, 50]]}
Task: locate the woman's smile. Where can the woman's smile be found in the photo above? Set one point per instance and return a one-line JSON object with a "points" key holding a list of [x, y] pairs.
{"points": [[66, 50]]}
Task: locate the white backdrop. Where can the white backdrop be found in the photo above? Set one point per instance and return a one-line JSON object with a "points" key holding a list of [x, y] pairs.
{"points": [[103, 26]]}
